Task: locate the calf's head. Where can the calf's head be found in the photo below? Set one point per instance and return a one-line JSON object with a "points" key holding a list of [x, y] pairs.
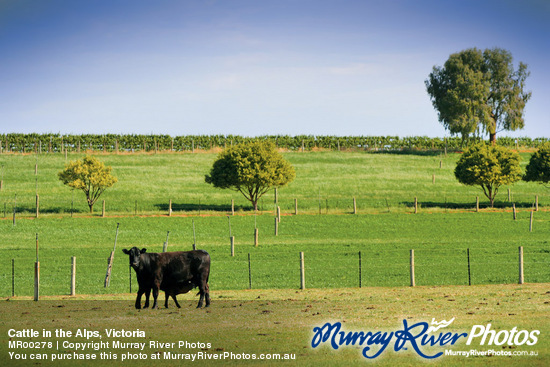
{"points": [[134, 254]]}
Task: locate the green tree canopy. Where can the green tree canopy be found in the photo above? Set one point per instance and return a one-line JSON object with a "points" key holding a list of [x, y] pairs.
{"points": [[251, 169], [89, 175], [489, 167], [538, 168], [479, 91]]}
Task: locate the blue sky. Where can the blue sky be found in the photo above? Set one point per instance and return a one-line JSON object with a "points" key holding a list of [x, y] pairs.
{"points": [[343, 67]]}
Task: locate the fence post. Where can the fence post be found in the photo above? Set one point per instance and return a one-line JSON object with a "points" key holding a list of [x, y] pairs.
{"points": [[469, 274], [433, 178], [514, 210], [302, 272], [477, 204], [37, 205], [531, 222], [36, 273], [73, 275], [170, 208], [536, 203], [232, 240], [276, 196], [520, 264], [360, 277], [412, 269], [103, 210], [249, 273], [276, 227], [278, 213], [509, 197], [415, 205], [295, 206], [36, 280], [232, 207], [354, 206], [256, 237], [13, 277], [194, 236]]}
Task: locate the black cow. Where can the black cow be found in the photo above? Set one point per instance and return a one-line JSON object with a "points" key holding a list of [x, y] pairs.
{"points": [[171, 272]]}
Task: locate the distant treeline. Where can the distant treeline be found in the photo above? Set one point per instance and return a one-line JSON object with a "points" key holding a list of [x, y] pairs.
{"points": [[41, 143]]}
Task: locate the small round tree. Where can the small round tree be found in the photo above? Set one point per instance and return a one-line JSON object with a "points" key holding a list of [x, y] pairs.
{"points": [[489, 167], [89, 175], [251, 169], [538, 168]]}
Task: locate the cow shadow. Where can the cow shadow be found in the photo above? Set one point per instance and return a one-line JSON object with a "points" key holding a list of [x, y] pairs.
{"points": [[47, 210], [467, 206], [417, 152], [187, 207]]}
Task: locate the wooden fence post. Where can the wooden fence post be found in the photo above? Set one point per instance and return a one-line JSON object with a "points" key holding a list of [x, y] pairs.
{"points": [[249, 273], [531, 222], [354, 206], [536, 203], [477, 204], [295, 206], [170, 208], [302, 272], [415, 205], [36, 280], [433, 179], [276, 226], [232, 240], [256, 237], [412, 269], [514, 211], [469, 273], [278, 213], [73, 275], [509, 198], [103, 210], [520, 264], [13, 277], [360, 270], [276, 196], [194, 236], [232, 207], [109, 269], [37, 205]]}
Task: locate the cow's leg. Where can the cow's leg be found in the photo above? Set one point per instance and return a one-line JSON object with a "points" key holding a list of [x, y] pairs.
{"points": [[203, 291], [175, 300], [138, 298], [165, 299], [147, 294], [207, 295], [156, 287]]}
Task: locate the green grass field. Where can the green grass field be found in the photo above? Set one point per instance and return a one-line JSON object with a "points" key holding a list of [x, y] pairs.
{"points": [[275, 316], [325, 182], [446, 228]]}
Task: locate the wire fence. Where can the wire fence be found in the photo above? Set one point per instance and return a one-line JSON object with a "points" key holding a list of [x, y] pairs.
{"points": [[32, 205], [284, 270]]}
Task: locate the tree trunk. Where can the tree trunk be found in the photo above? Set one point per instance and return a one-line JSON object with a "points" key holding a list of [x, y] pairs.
{"points": [[493, 138], [91, 208]]}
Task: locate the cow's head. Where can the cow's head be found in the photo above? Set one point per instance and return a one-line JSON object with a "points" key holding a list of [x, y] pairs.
{"points": [[134, 253]]}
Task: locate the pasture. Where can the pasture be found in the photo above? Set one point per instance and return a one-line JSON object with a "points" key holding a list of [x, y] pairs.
{"points": [[342, 251], [282, 321], [326, 183], [331, 244]]}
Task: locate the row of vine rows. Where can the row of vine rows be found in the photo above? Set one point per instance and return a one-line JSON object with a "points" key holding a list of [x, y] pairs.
{"points": [[25, 143]]}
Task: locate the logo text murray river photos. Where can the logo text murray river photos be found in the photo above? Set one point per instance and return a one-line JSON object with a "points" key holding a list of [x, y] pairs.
{"points": [[416, 336]]}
